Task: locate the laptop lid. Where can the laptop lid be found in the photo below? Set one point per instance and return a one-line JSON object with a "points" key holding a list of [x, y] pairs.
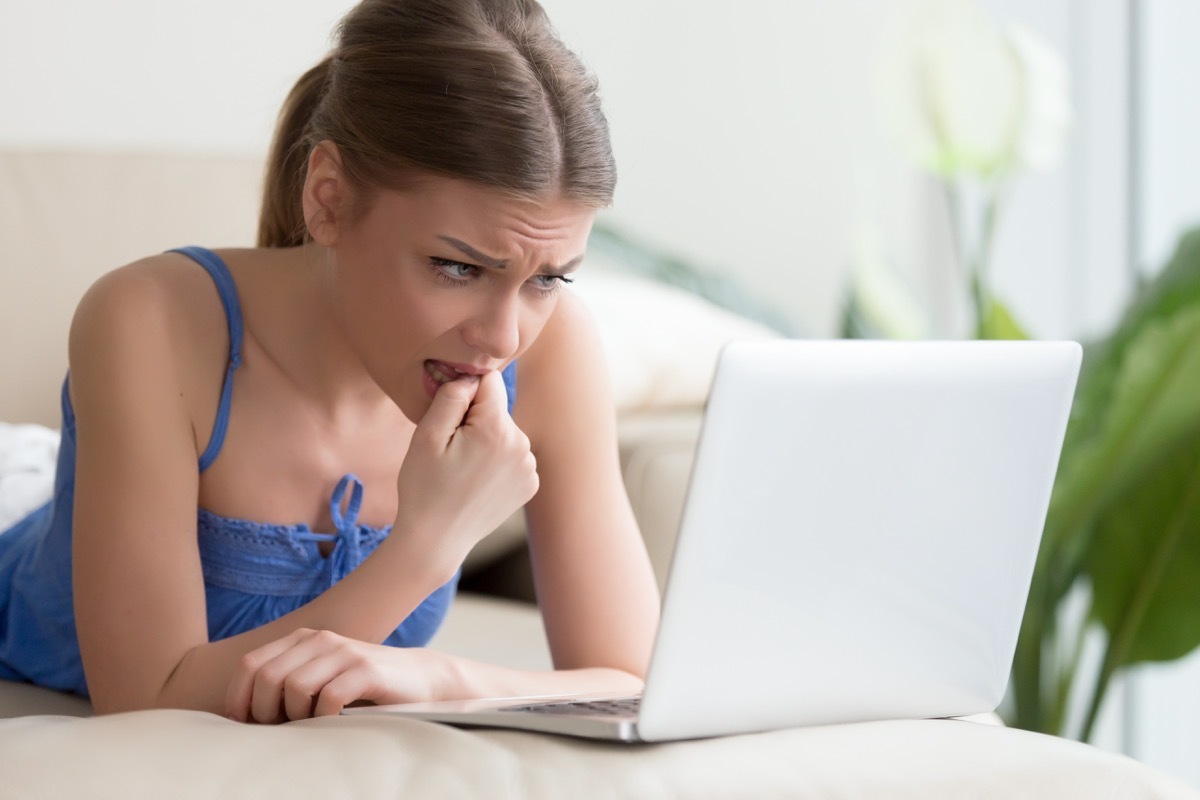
{"points": [[859, 533]]}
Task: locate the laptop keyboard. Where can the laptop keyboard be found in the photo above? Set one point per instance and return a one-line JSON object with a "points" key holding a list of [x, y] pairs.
{"points": [[618, 707]]}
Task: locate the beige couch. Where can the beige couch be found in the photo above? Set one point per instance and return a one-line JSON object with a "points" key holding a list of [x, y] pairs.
{"points": [[67, 217]]}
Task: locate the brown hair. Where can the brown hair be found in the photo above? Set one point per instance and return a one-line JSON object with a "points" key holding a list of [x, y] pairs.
{"points": [[481, 90]]}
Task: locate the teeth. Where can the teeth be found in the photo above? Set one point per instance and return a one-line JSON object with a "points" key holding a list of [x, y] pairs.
{"points": [[438, 375], [444, 373]]}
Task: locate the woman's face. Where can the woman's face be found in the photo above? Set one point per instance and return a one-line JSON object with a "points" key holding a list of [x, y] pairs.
{"points": [[448, 277]]}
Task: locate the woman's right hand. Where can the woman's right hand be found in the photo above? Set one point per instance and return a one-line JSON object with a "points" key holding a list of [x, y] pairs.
{"points": [[312, 673], [467, 469]]}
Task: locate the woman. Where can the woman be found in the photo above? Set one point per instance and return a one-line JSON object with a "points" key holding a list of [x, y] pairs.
{"points": [[276, 458]]}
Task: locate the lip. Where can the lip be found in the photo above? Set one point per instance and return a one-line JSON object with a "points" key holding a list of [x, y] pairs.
{"points": [[468, 369], [431, 385]]}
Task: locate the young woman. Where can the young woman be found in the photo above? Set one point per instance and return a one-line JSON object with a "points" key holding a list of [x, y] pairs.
{"points": [[275, 459]]}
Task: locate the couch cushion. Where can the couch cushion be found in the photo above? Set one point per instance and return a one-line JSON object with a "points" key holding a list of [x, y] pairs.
{"points": [[661, 341], [188, 754], [70, 217]]}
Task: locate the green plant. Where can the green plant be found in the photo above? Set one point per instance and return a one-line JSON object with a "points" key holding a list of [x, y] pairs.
{"points": [[1124, 518], [1123, 528], [1122, 535]]}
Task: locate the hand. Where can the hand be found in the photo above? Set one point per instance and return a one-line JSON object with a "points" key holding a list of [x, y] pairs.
{"points": [[316, 673], [468, 467]]}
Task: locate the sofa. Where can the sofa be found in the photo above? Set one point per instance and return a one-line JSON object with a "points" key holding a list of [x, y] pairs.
{"points": [[69, 216]]}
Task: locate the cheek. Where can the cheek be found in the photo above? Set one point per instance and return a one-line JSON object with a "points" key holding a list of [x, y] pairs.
{"points": [[387, 300], [369, 312], [377, 315]]}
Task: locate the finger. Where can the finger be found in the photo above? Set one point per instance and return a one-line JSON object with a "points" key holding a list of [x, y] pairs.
{"points": [[241, 686], [491, 398], [361, 680], [448, 408], [302, 685], [266, 704]]}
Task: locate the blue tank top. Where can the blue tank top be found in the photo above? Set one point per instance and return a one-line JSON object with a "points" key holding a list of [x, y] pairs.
{"points": [[253, 572]]}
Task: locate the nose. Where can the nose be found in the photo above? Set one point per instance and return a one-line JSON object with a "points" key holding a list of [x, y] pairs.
{"points": [[495, 329]]}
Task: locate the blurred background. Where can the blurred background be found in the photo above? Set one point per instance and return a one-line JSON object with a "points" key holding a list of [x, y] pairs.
{"points": [[760, 143]]}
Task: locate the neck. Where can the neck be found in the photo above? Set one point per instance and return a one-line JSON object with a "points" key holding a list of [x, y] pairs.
{"points": [[305, 340]]}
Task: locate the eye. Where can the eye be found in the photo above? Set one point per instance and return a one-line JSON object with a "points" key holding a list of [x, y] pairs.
{"points": [[454, 272], [548, 284]]}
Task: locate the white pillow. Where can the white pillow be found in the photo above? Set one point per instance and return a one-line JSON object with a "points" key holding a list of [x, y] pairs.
{"points": [[661, 341], [27, 458]]}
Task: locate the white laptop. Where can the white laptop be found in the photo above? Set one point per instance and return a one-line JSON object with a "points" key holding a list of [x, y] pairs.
{"points": [[856, 544]]}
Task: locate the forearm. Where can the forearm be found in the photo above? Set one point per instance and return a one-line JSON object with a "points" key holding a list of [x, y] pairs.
{"points": [[366, 605], [465, 678]]}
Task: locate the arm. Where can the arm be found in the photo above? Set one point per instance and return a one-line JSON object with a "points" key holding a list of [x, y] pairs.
{"points": [[593, 577], [595, 585], [139, 593]]}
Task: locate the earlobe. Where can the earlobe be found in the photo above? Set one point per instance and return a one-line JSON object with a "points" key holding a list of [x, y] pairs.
{"points": [[323, 194]]}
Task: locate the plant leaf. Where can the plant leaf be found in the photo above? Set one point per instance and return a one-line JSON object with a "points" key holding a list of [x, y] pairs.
{"points": [[999, 323], [1081, 487], [1175, 288], [1103, 452], [1144, 555]]}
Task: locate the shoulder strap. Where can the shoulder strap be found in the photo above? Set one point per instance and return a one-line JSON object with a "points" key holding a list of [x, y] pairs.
{"points": [[510, 384], [226, 288]]}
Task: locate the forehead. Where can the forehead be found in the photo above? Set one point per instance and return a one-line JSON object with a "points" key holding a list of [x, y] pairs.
{"points": [[484, 217]]}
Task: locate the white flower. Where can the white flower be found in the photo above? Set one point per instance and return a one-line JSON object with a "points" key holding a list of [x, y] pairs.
{"points": [[965, 97], [1047, 101]]}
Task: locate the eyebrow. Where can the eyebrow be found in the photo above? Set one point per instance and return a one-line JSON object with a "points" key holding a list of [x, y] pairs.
{"points": [[497, 263]]}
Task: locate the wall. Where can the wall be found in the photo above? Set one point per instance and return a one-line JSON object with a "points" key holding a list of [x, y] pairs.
{"points": [[749, 140], [131, 74], [742, 140]]}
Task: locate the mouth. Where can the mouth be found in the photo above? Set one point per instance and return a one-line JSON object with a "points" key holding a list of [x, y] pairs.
{"points": [[439, 373]]}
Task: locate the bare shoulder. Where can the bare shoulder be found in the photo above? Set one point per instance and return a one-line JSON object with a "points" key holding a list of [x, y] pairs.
{"points": [[570, 334], [154, 328], [154, 296], [564, 372]]}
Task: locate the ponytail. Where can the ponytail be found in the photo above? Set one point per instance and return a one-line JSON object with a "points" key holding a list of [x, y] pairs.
{"points": [[281, 221], [478, 90]]}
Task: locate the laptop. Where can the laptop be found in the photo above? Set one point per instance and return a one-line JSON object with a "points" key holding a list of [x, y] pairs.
{"points": [[857, 543]]}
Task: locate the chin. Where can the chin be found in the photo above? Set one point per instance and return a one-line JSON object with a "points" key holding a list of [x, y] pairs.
{"points": [[412, 401], [412, 407]]}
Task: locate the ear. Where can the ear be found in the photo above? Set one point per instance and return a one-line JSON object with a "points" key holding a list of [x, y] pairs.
{"points": [[325, 194]]}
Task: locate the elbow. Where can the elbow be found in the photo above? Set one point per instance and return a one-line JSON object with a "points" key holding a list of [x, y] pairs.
{"points": [[126, 694], [110, 701], [104, 706]]}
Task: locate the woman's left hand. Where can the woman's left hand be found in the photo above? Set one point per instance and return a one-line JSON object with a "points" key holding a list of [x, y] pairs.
{"points": [[312, 673]]}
